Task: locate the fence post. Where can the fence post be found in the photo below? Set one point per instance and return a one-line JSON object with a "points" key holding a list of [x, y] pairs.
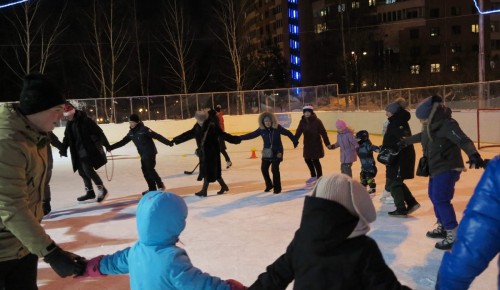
{"points": [[165, 106]]}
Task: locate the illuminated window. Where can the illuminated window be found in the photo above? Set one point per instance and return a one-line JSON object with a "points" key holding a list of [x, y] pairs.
{"points": [[435, 67], [371, 2], [294, 44], [415, 69], [321, 27], [322, 12], [341, 8], [293, 14], [434, 31], [454, 67], [355, 4], [292, 1], [475, 28], [390, 1], [295, 59], [294, 29]]}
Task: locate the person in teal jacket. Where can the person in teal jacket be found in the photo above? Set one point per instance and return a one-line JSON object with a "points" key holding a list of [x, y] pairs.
{"points": [[478, 235], [154, 262]]}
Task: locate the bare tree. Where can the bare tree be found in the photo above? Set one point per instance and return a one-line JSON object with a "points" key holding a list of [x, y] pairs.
{"points": [[230, 14], [36, 37], [108, 57], [143, 80]]}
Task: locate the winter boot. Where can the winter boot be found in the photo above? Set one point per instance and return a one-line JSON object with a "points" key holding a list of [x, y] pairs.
{"points": [[437, 233], [223, 186], [101, 193], [203, 191], [412, 208], [90, 194], [311, 181], [398, 213], [447, 243]]}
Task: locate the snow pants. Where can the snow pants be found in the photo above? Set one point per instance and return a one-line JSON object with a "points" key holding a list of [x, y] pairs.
{"points": [[441, 190]]}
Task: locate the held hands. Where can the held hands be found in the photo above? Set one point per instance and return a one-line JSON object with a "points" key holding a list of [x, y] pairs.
{"points": [[63, 153], [295, 144], [402, 144], [235, 285], [331, 147], [65, 263], [475, 161], [93, 269]]}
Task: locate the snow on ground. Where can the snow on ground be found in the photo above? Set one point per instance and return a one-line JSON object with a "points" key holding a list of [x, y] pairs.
{"points": [[238, 234]]}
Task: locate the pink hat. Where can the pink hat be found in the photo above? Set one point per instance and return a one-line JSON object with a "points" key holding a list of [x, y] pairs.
{"points": [[340, 124]]}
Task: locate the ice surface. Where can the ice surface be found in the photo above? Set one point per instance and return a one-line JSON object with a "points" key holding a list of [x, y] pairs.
{"points": [[238, 234]]}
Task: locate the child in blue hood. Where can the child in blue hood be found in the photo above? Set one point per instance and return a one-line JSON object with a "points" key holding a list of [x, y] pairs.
{"points": [[154, 261]]}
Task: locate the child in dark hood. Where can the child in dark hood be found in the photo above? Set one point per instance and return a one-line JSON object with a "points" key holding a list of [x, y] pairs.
{"points": [[330, 250], [143, 137], [154, 261]]}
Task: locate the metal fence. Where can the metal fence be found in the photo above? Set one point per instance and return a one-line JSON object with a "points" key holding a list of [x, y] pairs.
{"points": [[325, 98]]}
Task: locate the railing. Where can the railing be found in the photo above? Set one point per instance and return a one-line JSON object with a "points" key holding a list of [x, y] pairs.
{"points": [[325, 98]]}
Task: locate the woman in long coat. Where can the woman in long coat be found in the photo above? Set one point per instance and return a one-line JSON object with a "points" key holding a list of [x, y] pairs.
{"points": [[312, 128], [206, 131], [404, 165]]}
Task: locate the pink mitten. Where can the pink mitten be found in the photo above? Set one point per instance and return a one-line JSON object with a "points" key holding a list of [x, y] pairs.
{"points": [[235, 285], [92, 269]]}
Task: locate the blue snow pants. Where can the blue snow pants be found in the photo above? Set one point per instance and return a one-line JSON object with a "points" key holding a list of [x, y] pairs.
{"points": [[441, 191]]}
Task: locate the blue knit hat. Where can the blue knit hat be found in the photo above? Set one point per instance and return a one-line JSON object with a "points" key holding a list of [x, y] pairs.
{"points": [[398, 104], [424, 109]]}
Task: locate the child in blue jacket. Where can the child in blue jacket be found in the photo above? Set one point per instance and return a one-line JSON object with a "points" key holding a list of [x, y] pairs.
{"points": [[154, 262]]}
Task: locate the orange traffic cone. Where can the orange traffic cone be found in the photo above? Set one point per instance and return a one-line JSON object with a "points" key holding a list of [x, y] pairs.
{"points": [[253, 156]]}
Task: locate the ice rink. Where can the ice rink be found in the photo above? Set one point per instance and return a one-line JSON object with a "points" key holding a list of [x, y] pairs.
{"points": [[235, 235]]}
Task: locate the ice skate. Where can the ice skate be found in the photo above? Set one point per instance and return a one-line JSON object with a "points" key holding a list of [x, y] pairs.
{"points": [[89, 194], [311, 182], [437, 233], [413, 208], [447, 243], [385, 195], [371, 192], [102, 192], [398, 213]]}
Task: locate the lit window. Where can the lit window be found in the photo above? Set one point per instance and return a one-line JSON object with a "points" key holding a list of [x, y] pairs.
{"points": [[355, 4], [390, 1], [322, 12], [371, 2], [454, 67], [295, 59], [294, 44], [321, 27], [293, 29], [292, 1], [435, 67], [475, 28], [341, 8], [293, 14], [434, 31], [415, 69]]}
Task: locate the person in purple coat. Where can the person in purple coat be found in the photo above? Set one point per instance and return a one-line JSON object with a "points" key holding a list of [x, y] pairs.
{"points": [[312, 128], [348, 146]]}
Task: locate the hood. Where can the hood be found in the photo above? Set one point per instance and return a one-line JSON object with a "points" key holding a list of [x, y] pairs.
{"points": [[325, 224], [137, 127], [273, 118], [439, 113], [13, 124], [401, 116], [161, 217]]}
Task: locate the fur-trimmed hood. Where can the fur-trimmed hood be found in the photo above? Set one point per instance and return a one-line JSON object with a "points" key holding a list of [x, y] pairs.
{"points": [[270, 115]]}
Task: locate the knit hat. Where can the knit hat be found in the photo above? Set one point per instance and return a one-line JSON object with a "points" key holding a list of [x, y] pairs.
{"points": [[200, 115], [69, 109], [39, 94], [134, 118], [340, 124], [351, 195], [424, 109], [307, 108], [395, 106]]}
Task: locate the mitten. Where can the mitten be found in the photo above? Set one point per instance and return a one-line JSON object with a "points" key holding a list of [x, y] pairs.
{"points": [[63, 153], [295, 144], [65, 263], [475, 161], [93, 269], [46, 206], [235, 285]]}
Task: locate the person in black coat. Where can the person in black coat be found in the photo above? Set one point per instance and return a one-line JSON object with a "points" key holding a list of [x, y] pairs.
{"points": [[85, 140], [271, 132], [404, 164], [47, 194], [207, 131], [330, 250], [143, 137]]}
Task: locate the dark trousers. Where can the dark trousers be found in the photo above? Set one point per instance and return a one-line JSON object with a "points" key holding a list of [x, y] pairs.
{"points": [[19, 274], [314, 167], [345, 168], [275, 169], [88, 174], [441, 191], [403, 198], [153, 180], [367, 179], [222, 146]]}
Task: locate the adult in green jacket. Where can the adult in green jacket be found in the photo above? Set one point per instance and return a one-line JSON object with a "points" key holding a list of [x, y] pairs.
{"points": [[23, 170]]}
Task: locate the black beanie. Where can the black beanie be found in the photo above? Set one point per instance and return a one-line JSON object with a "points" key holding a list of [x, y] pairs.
{"points": [[134, 118], [39, 94]]}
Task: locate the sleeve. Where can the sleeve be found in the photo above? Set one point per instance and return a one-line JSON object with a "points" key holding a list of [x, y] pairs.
{"points": [[184, 275], [279, 274], [116, 263], [287, 133], [158, 137], [15, 213], [54, 141], [230, 138], [353, 141], [186, 136], [413, 139], [97, 131], [251, 135], [65, 142], [299, 130], [478, 234], [323, 133], [375, 273], [120, 143], [457, 136]]}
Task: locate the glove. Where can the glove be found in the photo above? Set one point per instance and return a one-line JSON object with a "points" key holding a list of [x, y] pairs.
{"points": [[401, 144], [108, 148], [65, 263], [170, 143], [475, 161], [63, 153], [46, 206], [235, 285], [376, 148], [93, 269]]}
